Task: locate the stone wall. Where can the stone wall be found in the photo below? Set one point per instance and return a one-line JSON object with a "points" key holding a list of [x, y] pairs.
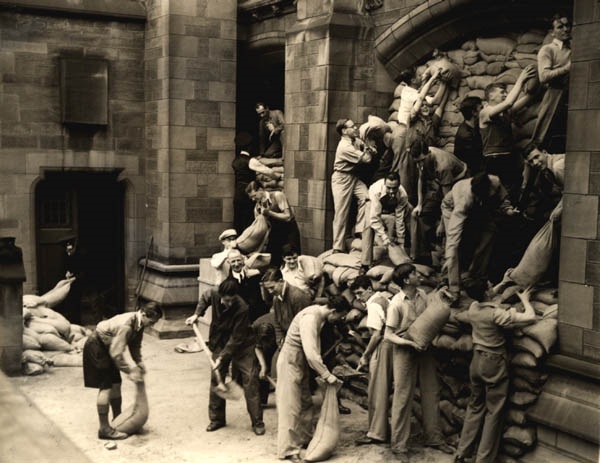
{"points": [[31, 134], [190, 125], [579, 325]]}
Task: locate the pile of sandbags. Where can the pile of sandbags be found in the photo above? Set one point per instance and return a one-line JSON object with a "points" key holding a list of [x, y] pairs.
{"points": [[475, 65], [49, 339], [271, 183]]}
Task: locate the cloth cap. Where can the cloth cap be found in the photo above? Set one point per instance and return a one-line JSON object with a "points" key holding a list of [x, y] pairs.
{"points": [[229, 233]]}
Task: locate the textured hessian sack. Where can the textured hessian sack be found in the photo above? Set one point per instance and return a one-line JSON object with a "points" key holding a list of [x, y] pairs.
{"points": [[34, 356], [31, 300], [57, 294], [40, 326], [544, 332], [50, 341], [523, 399], [430, 322], [29, 342], [496, 46], [68, 360], [132, 419], [516, 416], [327, 431], [524, 359], [255, 236], [527, 344], [32, 369], [397, 254], [523, 437], [341, 259], [547, 296]]}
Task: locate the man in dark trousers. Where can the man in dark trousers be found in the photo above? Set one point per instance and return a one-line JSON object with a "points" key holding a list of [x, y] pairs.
{"points": [[103, 360], [231, 341], [249, 285]]}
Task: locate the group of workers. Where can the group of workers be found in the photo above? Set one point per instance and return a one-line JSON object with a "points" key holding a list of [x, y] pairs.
{"points": [[414, 194]]}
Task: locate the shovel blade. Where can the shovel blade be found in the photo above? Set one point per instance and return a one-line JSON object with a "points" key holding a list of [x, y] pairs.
{"points": [[230, 390]]}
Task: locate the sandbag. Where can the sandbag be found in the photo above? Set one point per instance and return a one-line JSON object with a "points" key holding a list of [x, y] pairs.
{"points": [[471, 57], [258, 260], [521, 436], [551, 312], [29, 332], [26, 314], [469, 45], [527, 344], [531, 37], [478, 68], [519, 384], [397, 254], [516, 416], [57, 294], [255, 236], [133, 418], [40, 326], [450, 72], [512, 449], [50, 341], [327, 432], [68, 360], [378, 271], [547, 296], [524, 359], [430, 322], [479, 82], [62, 325], [493, 69], [493, 58], [363, 323], [523, 399], [341, 259], [457, 56], [528, 48], [35, 356], [31, 300], [544, 332], [496, 46], [342, 275], [32, 369], [30, 342], [533, 377], [373, 123]]}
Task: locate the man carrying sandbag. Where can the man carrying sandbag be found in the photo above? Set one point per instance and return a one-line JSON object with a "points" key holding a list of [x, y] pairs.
{"points": [[301, 351], [231, 340], [410, 363], [488, 372], [385, 215], [103, 360]]}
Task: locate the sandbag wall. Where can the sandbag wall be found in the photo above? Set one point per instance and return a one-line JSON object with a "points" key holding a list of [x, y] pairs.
{"points": [[453, 347], [481, 62]]}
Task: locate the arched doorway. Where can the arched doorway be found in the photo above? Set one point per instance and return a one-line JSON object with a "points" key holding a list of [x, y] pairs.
{"points": [[87, 206]]}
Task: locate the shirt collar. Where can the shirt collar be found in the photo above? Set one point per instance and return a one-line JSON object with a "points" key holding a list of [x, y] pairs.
{"points": [[283, 291], [244, 153], [559, 43], [138, 321], [239, 276]]}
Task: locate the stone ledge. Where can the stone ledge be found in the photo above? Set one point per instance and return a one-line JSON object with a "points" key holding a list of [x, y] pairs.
{"points": [[109, 8]]}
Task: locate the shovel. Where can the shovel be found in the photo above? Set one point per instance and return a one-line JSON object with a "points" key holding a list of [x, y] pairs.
{"points": [[227, 391]]}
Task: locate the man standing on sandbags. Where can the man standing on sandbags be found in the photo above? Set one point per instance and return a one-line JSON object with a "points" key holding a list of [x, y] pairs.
{"points": [[495, 125], [300, 352], [231, 340], [378, 356], [103, 360], [488, 372], [270, 128], [409, 364], [472, 208], [344, 184], [385, 215]]}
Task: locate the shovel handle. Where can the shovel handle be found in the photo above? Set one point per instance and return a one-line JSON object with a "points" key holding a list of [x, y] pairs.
{"points": [[208, 355], [272, 381]]}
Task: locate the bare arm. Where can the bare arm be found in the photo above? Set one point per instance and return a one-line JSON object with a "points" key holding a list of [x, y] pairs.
{"points": [[528, 316], [422, 94], [491, 111], [390, 336], [376, 338]]}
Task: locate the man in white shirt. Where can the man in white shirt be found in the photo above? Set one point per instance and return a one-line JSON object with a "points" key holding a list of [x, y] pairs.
{"points": [[386, 210], [344, 184]]}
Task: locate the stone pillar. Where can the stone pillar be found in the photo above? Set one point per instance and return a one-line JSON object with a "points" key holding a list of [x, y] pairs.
{"points": [[329, 74], [579, 291], [190, 126], [12, 276]]}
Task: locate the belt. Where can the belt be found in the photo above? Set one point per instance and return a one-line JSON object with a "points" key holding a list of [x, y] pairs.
{"points": [[496, 155]]}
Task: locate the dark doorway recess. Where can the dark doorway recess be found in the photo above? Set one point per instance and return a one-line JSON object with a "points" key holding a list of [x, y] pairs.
{"points": [[260, 77], [88, 206]]}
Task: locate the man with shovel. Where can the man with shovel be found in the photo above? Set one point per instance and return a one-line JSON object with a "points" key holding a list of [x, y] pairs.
{"points": [[231, 341]]}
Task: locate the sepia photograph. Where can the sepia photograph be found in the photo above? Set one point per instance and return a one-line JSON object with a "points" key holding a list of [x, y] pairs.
{"points": [[261, 231]]}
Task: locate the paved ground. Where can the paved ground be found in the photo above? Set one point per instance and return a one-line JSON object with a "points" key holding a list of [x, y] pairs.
{"points": [[177, 386]]}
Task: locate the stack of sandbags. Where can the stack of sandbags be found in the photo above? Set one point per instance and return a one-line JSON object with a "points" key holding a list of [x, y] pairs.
{"points": [[269, 183], [49, 338], [478, 63]]}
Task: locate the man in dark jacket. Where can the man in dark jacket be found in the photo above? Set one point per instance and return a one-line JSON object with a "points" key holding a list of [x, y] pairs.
{"points": [[230, 340], [249, 285]]}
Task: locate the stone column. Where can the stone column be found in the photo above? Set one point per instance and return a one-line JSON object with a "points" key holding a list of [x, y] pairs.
{"points": [[190, 126], [579, 291], [329, 74]]}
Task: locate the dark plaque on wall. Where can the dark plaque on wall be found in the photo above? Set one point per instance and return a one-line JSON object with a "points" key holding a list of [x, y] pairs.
{"points": [[84, 91]]}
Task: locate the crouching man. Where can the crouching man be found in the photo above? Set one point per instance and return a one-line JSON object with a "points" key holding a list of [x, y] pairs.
{"points": [[230, 340], [103, 360]]}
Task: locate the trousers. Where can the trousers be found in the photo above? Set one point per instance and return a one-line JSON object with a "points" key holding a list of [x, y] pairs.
{"points": [[380, 386], [345, 186], [489, 385]]}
